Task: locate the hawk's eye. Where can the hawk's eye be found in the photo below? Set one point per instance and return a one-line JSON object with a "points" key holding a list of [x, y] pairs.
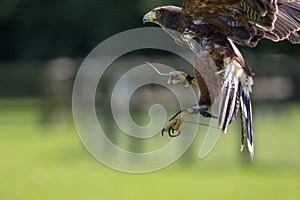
{"points": [[157, 13]]}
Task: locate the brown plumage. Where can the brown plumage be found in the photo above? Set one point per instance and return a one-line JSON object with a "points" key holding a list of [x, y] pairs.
{"points": [[209, 28], [243, 21]]}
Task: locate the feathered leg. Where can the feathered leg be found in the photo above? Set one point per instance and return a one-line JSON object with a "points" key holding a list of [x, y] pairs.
{"points": [[176, 77], [175, 126], [176, 122], [179, 77]]}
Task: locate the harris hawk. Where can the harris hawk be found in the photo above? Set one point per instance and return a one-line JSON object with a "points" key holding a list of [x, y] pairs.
{"points": [[209, 27]]}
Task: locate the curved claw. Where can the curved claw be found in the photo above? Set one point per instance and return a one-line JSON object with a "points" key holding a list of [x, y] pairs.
{"points": [[173, 135], [170, 132], [175, 125]]}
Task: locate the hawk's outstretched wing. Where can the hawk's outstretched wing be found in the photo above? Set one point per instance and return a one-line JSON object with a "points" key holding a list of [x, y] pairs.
{"points": [[247, 21], [260, 12]]}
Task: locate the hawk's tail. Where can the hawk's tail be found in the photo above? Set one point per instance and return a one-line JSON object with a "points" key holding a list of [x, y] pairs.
{"points": [[229, 102], [246, 121], [235, 94]]}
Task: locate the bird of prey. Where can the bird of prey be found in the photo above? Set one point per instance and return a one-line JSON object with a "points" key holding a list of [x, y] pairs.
{"points": [[211, 27]]}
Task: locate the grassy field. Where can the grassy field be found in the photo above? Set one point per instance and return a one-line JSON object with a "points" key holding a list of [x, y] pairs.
{"points": [[40, 161]]}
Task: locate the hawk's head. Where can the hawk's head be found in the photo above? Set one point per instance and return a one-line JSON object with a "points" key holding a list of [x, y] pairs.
{"points": [[164, 16]]}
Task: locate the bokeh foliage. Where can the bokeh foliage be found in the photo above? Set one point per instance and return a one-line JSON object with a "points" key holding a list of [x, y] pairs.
{"points": [[41, 30]]}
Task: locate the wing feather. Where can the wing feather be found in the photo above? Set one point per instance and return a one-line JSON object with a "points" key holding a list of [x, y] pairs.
{"points": [[261, 12], [287, 24]]}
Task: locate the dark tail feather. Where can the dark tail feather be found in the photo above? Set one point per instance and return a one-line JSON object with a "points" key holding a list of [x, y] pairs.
{"points": [[246, 119], [229, 102]]}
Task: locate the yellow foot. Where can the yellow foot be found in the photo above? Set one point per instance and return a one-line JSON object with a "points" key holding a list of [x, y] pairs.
{"points": [[179, 77], [175, 126]]}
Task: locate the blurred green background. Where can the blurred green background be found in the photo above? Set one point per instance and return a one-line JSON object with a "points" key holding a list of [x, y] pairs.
{"points": [[42, 46]]}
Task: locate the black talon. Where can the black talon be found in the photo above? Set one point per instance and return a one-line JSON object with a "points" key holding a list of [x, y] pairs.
{"points": [[162, 132], [169, 132]]}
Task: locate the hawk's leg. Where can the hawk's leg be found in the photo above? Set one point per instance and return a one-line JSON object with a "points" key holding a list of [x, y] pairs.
{"points": [[176, 122], [179, 77], [203, 110]]}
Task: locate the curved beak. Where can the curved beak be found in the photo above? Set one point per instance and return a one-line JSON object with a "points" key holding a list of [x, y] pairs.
{"points": [[149, 17]]}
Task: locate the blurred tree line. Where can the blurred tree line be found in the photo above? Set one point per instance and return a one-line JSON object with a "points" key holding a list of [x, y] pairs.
{"points": [[34, 32], [41, 30]]}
